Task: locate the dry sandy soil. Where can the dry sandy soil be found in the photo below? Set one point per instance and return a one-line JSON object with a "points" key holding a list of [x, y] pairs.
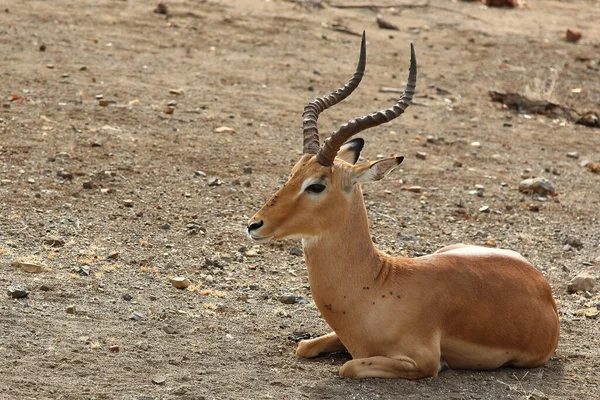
{"points": [[69, 164]]}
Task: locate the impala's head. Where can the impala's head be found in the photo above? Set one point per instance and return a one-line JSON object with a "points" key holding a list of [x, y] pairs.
{"points": [[323, 182]]}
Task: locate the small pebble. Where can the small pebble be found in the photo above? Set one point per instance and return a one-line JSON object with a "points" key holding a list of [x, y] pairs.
{"points": [[180, 283], [583, 282], [287, 298], [114, 348], [127, 296], [421, 155], [296, 251], [128, 203], [71, 310], [137, 316], [18, 291], [214, 182]]}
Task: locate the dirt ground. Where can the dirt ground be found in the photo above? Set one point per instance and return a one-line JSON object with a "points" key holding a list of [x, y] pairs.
{"points": [[113, 191]]}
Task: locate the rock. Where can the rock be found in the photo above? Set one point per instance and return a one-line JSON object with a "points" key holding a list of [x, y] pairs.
{"points": [[247, 170], [142, 345], [590, 118], [127, 296], [421, 155], [383, 24], [169, 110], [159, 379], [457, 163], [28, 267], [201, 174], [594, 167], [137, 316], [591, 312], [597, 260], [88, 185], [582, 283], [214, 182], [180, 283], [251, 253], [229, 337], [296, 251], [485, 209], [166, 226], [18, 291], [71, 310], [177, 92], [224, 129], [53, 242], [415, 189], [503, 3], [128, 203], [113, 255], [573, 35], [537, 185], [573, 154], [45, 288], [103, 103], [574, 242], [114, 348], [287, 298], [84, 270], [476, 145], [169, 330]]}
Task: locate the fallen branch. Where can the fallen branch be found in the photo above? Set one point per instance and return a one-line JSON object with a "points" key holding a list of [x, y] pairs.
{"points": [[371, 6], [404, 5], [521, 103], [342, 29]]}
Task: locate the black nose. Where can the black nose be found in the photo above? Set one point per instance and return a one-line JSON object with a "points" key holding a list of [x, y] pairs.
{"points": [[255, 225]]}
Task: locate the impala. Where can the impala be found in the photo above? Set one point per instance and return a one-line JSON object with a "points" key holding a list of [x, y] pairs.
{"points": [[463, 307]]}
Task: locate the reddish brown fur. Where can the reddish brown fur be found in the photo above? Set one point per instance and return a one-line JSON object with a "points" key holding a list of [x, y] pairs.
{"points": [[475, 308]]}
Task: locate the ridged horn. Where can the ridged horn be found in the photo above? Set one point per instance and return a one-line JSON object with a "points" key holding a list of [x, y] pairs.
{"points": [[320, 104], [332, 144]]}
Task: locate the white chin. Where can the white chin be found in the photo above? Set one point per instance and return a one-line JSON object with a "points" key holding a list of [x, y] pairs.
{"points": [[260, 239]]}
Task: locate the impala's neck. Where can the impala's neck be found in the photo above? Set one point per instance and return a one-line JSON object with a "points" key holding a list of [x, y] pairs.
{"points": [[343, 257]]}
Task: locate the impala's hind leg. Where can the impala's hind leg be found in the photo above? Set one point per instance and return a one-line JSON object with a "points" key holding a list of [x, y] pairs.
{"points": [[323, 344], [384, 367]]}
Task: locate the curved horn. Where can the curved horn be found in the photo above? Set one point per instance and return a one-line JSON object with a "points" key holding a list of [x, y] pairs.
{"points": [[332, 144], [320, 104]]}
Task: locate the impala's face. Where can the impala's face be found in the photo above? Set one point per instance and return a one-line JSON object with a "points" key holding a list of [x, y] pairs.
{"points": [[316, 197]]}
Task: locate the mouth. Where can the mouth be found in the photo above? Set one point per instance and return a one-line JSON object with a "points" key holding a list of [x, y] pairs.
{"points": [[258, 238]]}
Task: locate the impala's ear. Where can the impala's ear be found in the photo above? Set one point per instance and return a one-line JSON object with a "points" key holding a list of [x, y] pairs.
{"points": [[350, 151], [374, 171]]}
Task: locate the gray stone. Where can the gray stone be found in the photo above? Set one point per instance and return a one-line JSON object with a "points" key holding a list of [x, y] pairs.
{"points": [[295, 251], [537, 185], [583, 282], [287, 298], [169, 330], [574, 242], [18, 291], [137, 316]]}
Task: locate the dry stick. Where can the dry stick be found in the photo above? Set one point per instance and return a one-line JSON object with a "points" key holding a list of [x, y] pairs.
{"points": [[404, 5], [343, 30], [422, 5]]}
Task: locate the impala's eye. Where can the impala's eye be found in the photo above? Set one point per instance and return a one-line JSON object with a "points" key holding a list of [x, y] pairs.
{"points": [[315, 188]]}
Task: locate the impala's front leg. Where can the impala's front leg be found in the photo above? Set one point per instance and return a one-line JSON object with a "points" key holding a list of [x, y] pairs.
{"points": [[329, 343], [384, 367]]}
